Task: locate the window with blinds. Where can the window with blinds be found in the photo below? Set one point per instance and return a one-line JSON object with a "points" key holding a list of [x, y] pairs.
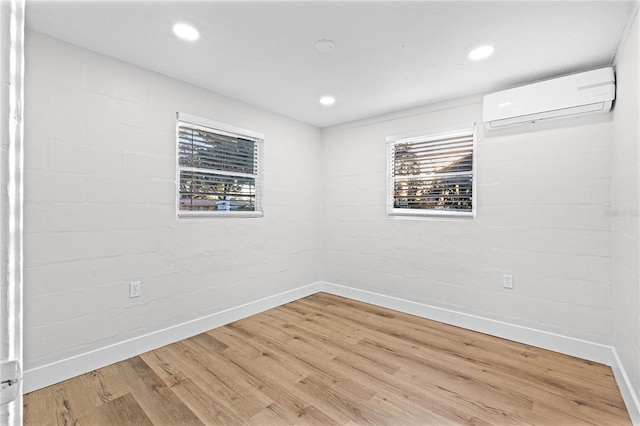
{"points": [[432, 173], [219, 169]]}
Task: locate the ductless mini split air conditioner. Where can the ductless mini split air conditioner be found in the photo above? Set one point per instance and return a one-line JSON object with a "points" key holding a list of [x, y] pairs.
{"points": [[577, 94]]}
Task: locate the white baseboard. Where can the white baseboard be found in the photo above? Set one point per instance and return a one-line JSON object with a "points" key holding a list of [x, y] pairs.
{"points": [[629, 394], [554, 342], [542, 339], [49, 374], [58, 371]]}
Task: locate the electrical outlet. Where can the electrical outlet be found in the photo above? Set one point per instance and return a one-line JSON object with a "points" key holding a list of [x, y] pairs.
{"points": [[507, 280], [135, 289]]}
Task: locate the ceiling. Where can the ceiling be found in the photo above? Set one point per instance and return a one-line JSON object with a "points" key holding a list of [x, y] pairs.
{"points": [[388, 55]]}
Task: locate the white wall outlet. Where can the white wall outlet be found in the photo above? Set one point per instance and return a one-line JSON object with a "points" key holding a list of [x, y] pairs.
{"points": [[135, 288], [507, 280]]}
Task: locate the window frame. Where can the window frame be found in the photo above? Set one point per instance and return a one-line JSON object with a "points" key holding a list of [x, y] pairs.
{"points": [[422, 136], [228, 130]]}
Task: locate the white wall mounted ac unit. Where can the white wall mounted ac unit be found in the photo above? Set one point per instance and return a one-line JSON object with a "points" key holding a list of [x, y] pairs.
{"points": [[577, 94]]}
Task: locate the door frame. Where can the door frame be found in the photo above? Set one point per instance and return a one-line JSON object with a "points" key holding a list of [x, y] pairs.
{"points": [[12, 20]]}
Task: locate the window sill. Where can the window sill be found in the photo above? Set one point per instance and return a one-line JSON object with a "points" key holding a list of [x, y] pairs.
{"points": [[218, 214], [430, 215]]}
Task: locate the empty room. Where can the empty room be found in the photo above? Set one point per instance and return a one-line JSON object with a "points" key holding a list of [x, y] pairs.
{"points": [[320, 212]]}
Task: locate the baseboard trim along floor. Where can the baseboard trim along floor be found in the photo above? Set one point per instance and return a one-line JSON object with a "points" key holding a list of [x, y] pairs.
{"points": [[42, 376], [595, 352], [55, 372]]}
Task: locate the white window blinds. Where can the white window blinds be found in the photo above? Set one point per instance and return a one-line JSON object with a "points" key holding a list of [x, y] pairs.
{"points": [[219, 168], [432, 174]]}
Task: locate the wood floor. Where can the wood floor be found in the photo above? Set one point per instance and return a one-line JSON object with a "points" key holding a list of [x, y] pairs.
{"points": [[329, 360]]}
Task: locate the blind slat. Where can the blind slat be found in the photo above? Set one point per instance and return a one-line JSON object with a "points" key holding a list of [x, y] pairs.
{"points": [[433, 176], [436, 145], [432, 169], [425, 153]]}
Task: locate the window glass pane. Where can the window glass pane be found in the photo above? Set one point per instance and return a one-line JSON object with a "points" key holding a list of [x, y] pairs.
{"points": [[197, 148], [450, 193], [210, 192], [218, 169], [433, 172]]}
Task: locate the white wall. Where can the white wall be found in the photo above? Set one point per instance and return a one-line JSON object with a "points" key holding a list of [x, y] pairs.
{"points": [[543, 195], [100, 197], [626, 205]]}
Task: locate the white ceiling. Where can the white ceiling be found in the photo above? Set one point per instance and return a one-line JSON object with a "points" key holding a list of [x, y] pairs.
{"points": [[389, 55]]}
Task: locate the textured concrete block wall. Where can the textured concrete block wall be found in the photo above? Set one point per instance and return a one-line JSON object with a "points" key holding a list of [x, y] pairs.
{"points": [[100, 206], [543, 197], [626, 196]]}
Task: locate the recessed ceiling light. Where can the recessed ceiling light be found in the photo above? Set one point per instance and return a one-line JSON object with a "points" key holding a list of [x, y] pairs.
{"points": [[186, 32], [481, 52], [325, 45], [327, 100]]}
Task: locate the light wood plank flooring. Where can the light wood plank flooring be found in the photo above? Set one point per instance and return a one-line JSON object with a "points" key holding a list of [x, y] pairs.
{"points": [[329, 360]]}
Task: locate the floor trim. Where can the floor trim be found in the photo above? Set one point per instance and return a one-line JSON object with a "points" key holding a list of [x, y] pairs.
{"points": [[49, 374], [530, 336], [626, 389], [554, 342], [46, 375]]}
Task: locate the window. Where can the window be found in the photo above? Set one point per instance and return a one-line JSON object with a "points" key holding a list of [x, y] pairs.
{"points": [[219, 170], [432, 173]]}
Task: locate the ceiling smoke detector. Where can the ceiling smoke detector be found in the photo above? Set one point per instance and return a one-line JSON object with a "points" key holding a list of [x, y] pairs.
{"points": [[325, 45]]}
